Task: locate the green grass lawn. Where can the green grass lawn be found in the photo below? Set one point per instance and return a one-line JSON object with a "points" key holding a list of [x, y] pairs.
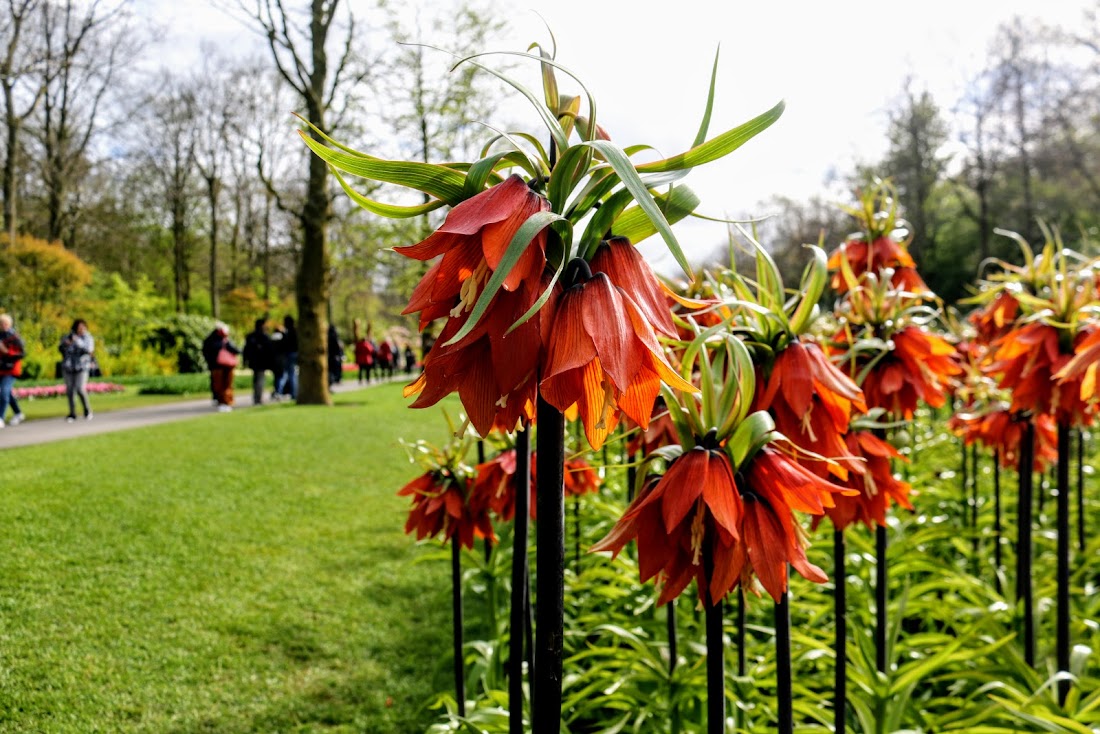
{"points": [[232, 573]]}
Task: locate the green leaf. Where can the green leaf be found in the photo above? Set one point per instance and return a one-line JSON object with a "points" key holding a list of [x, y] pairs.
{"points": [[542, 299], [602, 220], [520, 240], [677, 203], [438, 181], [705, 124], [622, 166], [392, 211], [481, 170], [570, 168], [751, 434], [814, 278], [718, 147], [548, 117]]}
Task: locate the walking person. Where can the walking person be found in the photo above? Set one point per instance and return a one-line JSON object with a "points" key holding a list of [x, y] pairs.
{"points": [[410, 359], [221, 359], [76, 349], [11, 366], [364, 358], [288, 385], [386, 356], [335, 356], [278, 358], [259, 357]]}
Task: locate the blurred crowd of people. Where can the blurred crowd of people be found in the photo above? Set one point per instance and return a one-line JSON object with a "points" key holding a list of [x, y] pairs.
{"points": [[276, 351]]}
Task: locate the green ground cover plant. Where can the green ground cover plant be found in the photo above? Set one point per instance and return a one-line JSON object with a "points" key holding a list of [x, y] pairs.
{"points": [[237, 573]]}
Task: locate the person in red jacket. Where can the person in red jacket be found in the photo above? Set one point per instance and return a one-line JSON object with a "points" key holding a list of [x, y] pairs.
{"points": [[11, 366], [364, 358], [385, 358]]}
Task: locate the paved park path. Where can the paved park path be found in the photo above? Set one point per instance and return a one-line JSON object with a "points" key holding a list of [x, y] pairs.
{"points": [[45, 430]]}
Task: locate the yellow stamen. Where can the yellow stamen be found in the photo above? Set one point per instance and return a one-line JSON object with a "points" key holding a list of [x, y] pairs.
{"points": [[471, 289], [697, 532]]}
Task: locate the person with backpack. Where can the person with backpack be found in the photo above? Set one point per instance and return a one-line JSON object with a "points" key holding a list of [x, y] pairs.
{"points": [[76, 365], [258, 354], [12, 351]]}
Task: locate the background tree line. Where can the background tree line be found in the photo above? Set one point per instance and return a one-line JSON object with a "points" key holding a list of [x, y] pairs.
{"points": [[1021, 145]]}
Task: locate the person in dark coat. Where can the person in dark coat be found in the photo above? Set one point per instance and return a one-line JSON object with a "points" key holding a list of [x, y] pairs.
{"points": [[259, 356], [77, 348], [335, 356], [288, 385], [221, 359]]}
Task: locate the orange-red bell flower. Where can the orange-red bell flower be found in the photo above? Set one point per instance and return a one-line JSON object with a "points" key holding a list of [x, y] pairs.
{"points": [[472, 240], [496, 483], [881, 254], [494, 371], [628, 270], [698, 508], [602, 355], [1081, 369], [440, 505], [996, 318], [919, 367], [494, 375], [877, 485], [812, 403], [1002, 430], [1027, 360]]}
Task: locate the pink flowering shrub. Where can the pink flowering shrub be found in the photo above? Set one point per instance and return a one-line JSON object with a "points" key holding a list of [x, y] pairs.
{"points": [[56, 391]]}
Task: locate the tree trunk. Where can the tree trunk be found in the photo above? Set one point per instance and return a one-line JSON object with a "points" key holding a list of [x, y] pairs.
{"points": [[312, 284], [212, 199]]}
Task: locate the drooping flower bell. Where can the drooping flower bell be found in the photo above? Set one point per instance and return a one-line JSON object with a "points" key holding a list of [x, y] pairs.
{"points": [[493, 367], [919, 367], [698, 521], [602, 354], [1002, 430], [1028, 360], [1082, 368], [996, 318], [496, 483], [812, 402], [877, 485], [440, 505]]}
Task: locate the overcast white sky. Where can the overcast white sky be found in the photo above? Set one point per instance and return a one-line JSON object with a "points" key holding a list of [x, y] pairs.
{"points": [[839, 64]]}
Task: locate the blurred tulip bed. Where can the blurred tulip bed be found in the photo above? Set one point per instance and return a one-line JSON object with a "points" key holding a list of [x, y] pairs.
{"points": [[643, 461], [38, 392]]}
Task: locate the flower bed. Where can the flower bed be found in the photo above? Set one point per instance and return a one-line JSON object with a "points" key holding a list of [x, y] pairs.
{"points": [[40, 392]]}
